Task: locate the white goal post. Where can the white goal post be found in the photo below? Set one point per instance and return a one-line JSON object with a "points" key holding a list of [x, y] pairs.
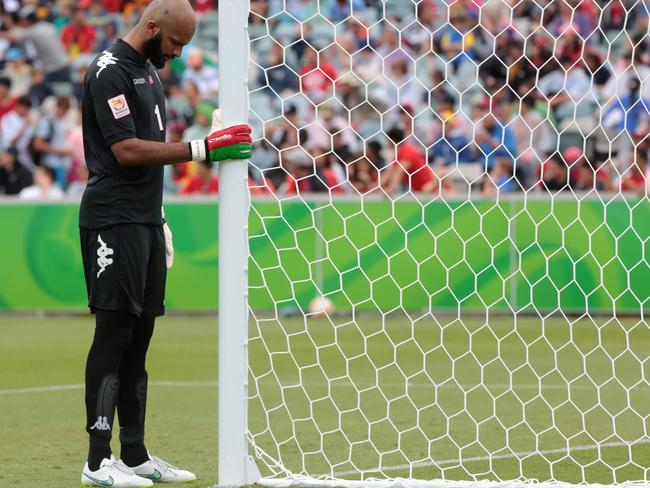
{"points": [[483, 325]]}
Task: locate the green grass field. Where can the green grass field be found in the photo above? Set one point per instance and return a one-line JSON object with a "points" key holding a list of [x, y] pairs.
{"points": [[528, 399]]}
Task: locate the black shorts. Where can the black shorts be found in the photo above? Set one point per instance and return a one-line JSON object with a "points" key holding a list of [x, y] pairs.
{"points": [[125, 268]]}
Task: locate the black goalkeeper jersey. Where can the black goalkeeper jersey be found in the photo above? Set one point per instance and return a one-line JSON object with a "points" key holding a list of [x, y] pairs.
{"points": [[123, 98]]}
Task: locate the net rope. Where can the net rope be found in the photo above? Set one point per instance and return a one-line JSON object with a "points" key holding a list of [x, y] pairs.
{"points": [[449, 231]]}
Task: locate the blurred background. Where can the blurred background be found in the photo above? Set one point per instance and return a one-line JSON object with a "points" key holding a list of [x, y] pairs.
{"points": [[487, 96]]}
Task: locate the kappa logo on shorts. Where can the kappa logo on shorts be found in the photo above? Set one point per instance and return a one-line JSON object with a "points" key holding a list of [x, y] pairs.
{"points": [[119, 106], [102, 255]]}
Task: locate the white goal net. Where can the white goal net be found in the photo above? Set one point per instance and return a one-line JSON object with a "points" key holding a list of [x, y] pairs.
{"points": [[449, 242]]}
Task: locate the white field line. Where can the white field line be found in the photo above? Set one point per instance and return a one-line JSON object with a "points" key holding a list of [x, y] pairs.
{"points": [[334, 383], [43, 389], [518, 455]]}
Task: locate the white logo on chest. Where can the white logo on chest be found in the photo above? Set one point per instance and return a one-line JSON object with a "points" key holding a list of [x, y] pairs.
{"points": [[105, 60], [102, 255]]}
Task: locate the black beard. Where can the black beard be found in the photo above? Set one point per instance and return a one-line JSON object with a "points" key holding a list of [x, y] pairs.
{"points": [[153, 51]]}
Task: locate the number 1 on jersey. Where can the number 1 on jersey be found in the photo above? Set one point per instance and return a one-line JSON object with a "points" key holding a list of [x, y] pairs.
{"points": [[160, 124]]}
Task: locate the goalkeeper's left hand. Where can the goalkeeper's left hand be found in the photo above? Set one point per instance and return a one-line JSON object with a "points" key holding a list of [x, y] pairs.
{"points": [[169, 244], [230, 143]]}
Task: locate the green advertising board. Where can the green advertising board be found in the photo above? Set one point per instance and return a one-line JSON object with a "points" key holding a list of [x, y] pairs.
{"points": [[371, 255]]}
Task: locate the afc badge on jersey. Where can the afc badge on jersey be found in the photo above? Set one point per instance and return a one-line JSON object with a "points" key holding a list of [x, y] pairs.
{"points": [[119, 106]]}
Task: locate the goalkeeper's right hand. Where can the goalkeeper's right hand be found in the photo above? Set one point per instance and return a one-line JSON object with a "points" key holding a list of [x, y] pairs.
{"points": [[230, 143]]}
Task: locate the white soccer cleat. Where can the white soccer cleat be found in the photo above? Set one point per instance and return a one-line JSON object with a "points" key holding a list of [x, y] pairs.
{"points": [[160, 471], [110, 473]]}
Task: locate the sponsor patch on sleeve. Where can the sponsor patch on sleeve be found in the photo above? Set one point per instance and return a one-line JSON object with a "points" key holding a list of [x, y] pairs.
{"points": [[119, 106]]}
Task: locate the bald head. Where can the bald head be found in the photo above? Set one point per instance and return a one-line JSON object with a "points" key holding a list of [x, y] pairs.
{"points": [[174, 14], [164, 29]]}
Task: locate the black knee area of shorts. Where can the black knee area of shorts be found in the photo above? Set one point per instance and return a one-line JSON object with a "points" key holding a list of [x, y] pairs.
{"points": [[114, 330]]}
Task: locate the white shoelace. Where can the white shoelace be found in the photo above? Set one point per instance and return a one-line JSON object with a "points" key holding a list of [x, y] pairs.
{"points": [[163, 465], [116, 467]]}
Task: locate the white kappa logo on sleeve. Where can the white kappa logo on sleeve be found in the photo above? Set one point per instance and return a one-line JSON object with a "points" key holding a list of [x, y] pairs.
{"points": [[105, 60], [119, 106], [102, 255]]}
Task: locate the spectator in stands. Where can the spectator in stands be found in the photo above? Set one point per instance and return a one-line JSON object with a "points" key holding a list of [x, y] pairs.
{"points": [[330, 121], [206, 78], [14, 177], [284, 134], [132, 11], [276, 74], [363, 175], [18, 71], [175, 174], [629, 65], [365, 106], [113, 6], [183, 103], [534, 136], [430, 19], [170, 80], [81, 65], [339, 10], [44, 186], [408, 168], [329, 173], [341, 150], [317, 76], [16, 130], [203, 6], [39, 89], [75, 142], [43, 36], [409, 90], [457, 40], [390, 51], [64, 12], [584, 177], [7, 100], [500, 179], [79, 36], [50, 141], [77, 187], [374, 154], [492, 137], [298, 167], [204, 180], [202, 122], [629, 113], [97, 18], [596, 67], [109, 35], [634, 179], [451, 143], [555, 174]]}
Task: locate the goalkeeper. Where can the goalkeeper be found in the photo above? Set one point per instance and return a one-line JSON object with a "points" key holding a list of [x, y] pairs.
{"points": [[123, 240]]}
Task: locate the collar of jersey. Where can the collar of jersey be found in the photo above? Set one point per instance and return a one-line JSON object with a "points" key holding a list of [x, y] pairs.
{"points": [[130, 52]]}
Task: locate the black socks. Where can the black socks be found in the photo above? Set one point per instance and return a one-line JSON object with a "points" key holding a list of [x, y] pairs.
{"points": [[116, 377]]}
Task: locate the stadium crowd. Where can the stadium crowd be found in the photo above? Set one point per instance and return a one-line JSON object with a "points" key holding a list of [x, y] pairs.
{"points": [[363, 96]]}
